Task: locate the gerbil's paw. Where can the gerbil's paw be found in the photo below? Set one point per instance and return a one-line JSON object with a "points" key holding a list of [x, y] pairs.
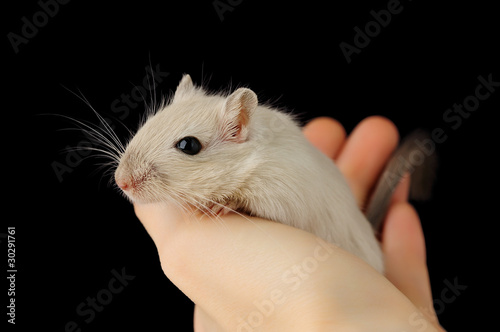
{"points": [[218, 209]]}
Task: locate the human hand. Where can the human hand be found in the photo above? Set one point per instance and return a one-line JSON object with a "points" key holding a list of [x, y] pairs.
{"points": [[361, 158], [249, 274]]}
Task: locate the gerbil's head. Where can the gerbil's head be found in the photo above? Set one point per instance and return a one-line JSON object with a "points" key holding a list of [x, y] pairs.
{"points": [[196, 149]]}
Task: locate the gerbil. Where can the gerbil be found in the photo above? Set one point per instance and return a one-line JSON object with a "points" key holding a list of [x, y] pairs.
{"points": [[226, 152]]}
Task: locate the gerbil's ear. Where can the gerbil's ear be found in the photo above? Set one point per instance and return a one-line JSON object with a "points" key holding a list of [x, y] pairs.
{"points": [[184, 88], [236, 114]]}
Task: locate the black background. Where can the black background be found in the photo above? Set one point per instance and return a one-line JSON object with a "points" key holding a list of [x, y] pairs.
{"points": [[71, 233]]}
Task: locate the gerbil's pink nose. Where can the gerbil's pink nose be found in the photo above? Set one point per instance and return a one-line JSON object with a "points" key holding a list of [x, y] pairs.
{"points": [[122, 184]]}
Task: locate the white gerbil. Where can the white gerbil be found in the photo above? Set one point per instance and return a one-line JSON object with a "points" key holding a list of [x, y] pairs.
{"points": [[227, 152]]}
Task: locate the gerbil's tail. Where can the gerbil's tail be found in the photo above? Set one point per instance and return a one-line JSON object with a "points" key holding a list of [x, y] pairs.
{"points": [[415, 156]]}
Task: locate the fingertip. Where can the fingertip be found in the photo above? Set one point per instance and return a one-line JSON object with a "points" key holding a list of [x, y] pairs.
{"points": [[366, 152], [326, 134], [376, 131], [160, 220], [382, 126], [403, 234]]}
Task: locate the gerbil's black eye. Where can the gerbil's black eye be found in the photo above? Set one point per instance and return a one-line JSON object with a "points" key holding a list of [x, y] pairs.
{"points": [[189, 145]]}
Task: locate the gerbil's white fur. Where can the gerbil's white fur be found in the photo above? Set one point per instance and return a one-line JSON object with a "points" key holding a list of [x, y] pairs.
{"points": [[254, 159]]}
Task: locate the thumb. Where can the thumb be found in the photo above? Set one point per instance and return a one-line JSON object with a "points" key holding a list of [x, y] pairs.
{"points": [[405, 256], [160, 221]]}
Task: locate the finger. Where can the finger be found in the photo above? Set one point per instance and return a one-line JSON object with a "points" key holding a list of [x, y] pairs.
{"points": [[326, 134], [365, 154], [403, 245]]}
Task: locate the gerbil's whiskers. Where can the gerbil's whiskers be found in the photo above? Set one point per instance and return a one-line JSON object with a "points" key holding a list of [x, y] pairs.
{"points": [[154, 105], [102, 141]]}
